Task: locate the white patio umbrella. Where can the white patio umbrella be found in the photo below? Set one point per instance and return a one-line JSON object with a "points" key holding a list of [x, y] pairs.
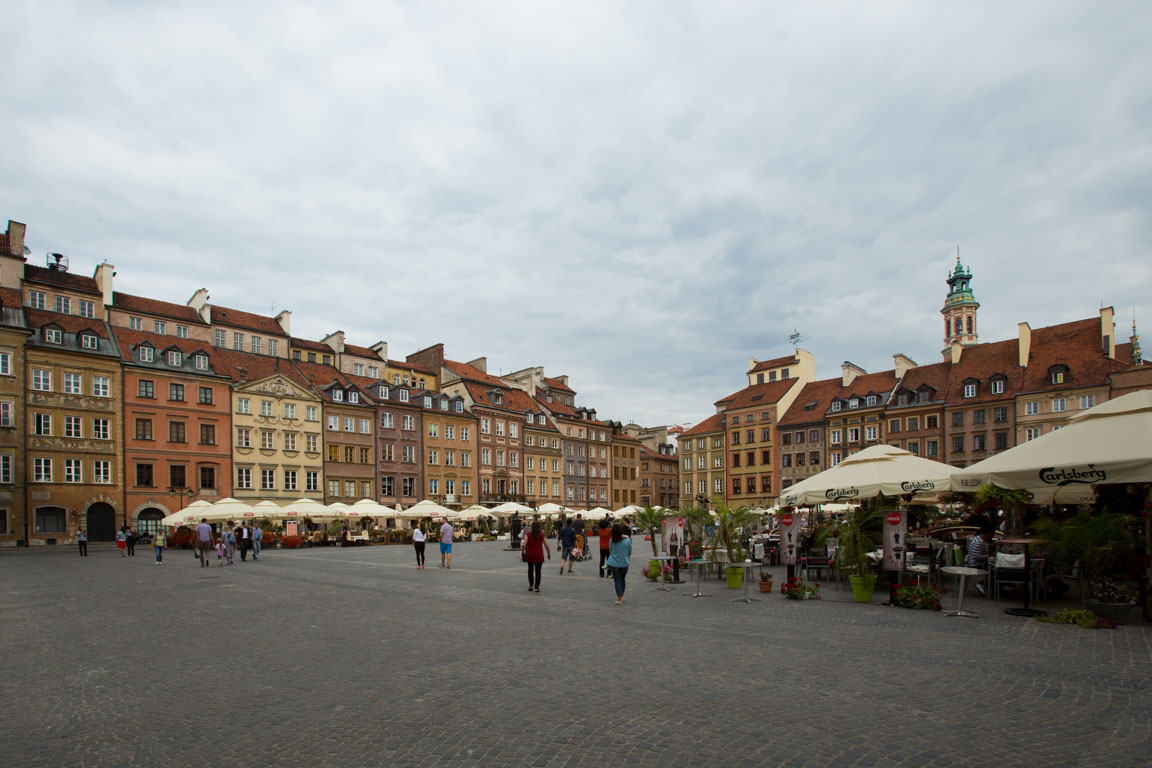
{"points": [[630, 509], [551, 508], [470, 513], [598, 512], [190, 515], [231, 509], [881, 469], [510, 507], [1111, 443], [426, 508], [368, 508], [302, 508], [269, 509]]}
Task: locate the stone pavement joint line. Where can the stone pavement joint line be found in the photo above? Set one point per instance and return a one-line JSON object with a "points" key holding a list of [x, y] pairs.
{"points": [[352, 657]]}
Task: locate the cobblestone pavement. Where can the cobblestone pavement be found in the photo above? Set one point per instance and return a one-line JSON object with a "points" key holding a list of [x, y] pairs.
{"points": [[352, 657]]}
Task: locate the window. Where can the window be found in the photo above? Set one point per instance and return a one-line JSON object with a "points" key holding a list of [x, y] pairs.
{"points": [[266, 439], [736, 460], [433, 429], [835, 405], [486, 457], [914, 449], [978, 417], [88, 341], [834, 437], [408, 486], [434, 457], [219, 338], [735, 438], [41, 380], [386, 421], [386, 485], [958, 444], [265, 407], [785, 459], [404, 399], [243, 405], [408, 422], [312, 481], [333, 423], [358, 369], [1057, 376], [349, 424], [338, 395], [932, 448], [177, 477], [310, 443], [41, 424], [87, 309], [750, 436], [273, 347], [207, 477], [854, 402], [53, 336], [73, 384], [870, 400], [41, 470], [1001, 440], [37, 300], [310, 413], [717, 485], [143, 429], [485, 426], [997, 386], [1000, 414], [449, 432], [978, 442], [102, 472], [175, 359], [176, 392], [466, 460], [1087, 401], [914, 423], [182, 331], [814, 458], [101, 429], [969, 390], [1059, 404], [290, 480], [289, 441], [159, 327], [466, 434], [267, 479], [51, 520], [243, 437], [365, 456], [853, 435], [5, 364], [893, 425], [73, 426], [871, 433], [176, 432], [1031, 433], [408, 454], [353, 397], [958, 419], [238, 343], [147, 354], [513, 431], [365, 426], [64, 305], [349, 488], [289, 410], [1032, 407], [72, 471]]}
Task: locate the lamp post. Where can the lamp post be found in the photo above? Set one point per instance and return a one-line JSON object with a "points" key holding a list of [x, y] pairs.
{"points": [[183, 493]]}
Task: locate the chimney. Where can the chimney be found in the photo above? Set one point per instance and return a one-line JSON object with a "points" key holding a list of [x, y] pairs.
{"points": [[1025, 346], [199, 302], [16, 239], [336, 341], [1107, 332], [429, 357], [480, 363], [104, 274], [562, 379], [957, 349], [902, 363], [285, 321], [381, 350], [243, 372], [752, 363], [849, 371]]}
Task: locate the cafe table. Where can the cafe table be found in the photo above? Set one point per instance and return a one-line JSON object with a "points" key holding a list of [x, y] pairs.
{"points": [[663, 585], [963, 572], [700, 566], [1027, 610], [747, 577]]}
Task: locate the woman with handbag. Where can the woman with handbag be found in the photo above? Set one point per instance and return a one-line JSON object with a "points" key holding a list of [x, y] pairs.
{"points": [[532, 551]]}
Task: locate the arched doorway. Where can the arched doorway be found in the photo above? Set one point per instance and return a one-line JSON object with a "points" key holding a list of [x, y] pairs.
{"points": [[101, 523], [148, 521]]}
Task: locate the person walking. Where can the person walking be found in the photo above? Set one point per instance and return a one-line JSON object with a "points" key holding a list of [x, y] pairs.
{"points": [[257, 537], [229, 545], [619, 555], [131, 539], [159, 541], [605, 539], [203, 541], [82, 542], [446, 532], [567, 543], [581, 544], [122, 540], [534, 548], [220, 550], [419, 541], [245, 540]]}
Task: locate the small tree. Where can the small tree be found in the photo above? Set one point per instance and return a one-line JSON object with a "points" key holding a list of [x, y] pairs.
{"points": [[651, 520], [730, 526]]}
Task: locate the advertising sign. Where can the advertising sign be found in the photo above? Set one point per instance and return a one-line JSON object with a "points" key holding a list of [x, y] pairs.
{"points": [[790, 543], [895, 540]]}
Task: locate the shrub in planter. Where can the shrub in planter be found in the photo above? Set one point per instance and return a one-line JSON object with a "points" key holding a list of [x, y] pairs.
{"points": [[795, 589], [292, 542], [918, 596]]}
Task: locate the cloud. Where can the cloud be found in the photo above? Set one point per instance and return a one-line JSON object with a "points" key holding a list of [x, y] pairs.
{"points": [[638, 195]]}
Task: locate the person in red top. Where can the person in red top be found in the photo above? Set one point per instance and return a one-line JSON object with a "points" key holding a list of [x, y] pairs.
{"points": [[605, 539], [534, 548]]}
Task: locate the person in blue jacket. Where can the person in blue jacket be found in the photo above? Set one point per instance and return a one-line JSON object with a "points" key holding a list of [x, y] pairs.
{"points": [[619, 555]]}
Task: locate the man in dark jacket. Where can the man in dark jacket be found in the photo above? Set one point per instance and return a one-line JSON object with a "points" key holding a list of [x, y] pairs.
{"points": [[567, 544]]}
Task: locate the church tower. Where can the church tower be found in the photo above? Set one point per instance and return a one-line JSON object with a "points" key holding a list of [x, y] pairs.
{"points": [[959, 309]]}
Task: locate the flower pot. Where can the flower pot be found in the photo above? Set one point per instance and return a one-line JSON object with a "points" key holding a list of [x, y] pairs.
{"points": [[1115, 612], [735, 576], [862, 587], [654, 570], [765, 586]]}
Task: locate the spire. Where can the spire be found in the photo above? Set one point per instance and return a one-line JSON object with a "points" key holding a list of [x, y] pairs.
{"points": [[1137, 357]]}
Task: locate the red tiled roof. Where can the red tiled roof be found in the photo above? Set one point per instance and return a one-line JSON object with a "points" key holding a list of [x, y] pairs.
{"points": [[10, 298], [61, 279], [322, 376], [130, 303], [472, 373], [129, 338], [647, 454], [764, 365], [758, 394], [714, 423], [819, 395], [406, 366], [38, 318], [625, 437], [513, 399], [355, 349], [880, 383], [934, 375], [317, 346], [247, 320], [981, 362], [557, 385], [256, 367], [1077, 345]]}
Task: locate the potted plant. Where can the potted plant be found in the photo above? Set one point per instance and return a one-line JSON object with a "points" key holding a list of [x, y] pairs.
{"points": [[918, 596], [730, 524], [859, 535], [1111, 600], [696, 519], [765, 580], [1097, 542], [651, 521], [795, 589]]}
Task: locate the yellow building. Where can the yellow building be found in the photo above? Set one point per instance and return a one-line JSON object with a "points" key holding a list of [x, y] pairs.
{"points": [[13, 333], [702, 460], [449, 450]]}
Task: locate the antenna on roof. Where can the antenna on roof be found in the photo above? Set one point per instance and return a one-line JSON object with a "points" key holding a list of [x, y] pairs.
{"points": [[794, 339], [273, 308]]}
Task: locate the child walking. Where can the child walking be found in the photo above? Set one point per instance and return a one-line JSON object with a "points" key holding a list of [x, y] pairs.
{"points": [[220, 552]]}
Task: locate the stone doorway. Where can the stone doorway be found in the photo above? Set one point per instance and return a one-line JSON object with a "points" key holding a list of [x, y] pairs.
{"points": [[101, 523]]}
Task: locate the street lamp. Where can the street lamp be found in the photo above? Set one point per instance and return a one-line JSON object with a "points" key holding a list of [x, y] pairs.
{"points": [[182, 493]]}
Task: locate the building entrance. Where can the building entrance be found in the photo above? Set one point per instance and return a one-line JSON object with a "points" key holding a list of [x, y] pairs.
{"points": [[101, 522]]}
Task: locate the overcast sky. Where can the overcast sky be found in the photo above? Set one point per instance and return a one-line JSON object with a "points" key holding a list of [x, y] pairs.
{"points": [[641, 195]]}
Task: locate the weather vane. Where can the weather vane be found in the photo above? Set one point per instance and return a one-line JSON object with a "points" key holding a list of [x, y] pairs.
{"points": [[794, 338]]}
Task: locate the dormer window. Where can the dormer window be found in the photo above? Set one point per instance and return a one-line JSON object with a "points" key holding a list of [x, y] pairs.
{"points": [[1059, 374], [540, 418], [835, 405], [459, 406], [922, 396], [53, 336], [549, 398], [497, 397], [854, 403], [353, 397], [147, 354], [201, 362], [443, 403], [427, 401], [871, 400], [969, 390], [88, 341], [997, 385], [174, 358], [338, 395], [403, 395], [383, 393]]}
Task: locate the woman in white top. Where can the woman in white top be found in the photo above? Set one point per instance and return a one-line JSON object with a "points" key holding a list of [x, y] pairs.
{"points": [[418, 540]]}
